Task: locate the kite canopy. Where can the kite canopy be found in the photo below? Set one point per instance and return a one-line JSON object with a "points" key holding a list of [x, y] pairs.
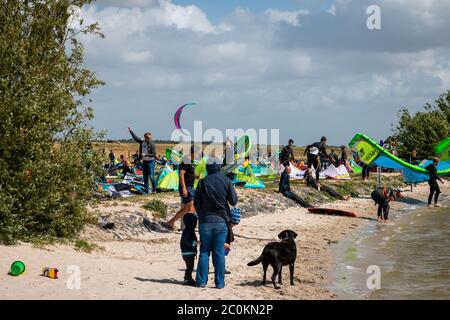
{"points": [[442, 150], [177, 116], [371, 152]]}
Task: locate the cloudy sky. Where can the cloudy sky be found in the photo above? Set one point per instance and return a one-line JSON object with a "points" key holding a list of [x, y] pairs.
{"points": [[309, 68]]}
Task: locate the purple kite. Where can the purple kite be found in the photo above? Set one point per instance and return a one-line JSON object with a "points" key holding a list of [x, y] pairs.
{"points": [[177, 116]]}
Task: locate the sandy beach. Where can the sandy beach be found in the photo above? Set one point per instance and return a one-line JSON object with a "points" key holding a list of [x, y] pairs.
{"points": [[139, 264]]}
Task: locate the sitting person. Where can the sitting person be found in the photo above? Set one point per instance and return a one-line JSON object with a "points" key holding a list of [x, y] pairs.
{"points": [[285, 189], [188, 244], [126, 166], [313, 183]]}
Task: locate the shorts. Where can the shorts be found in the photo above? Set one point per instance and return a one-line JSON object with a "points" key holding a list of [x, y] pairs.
{"points": [[190, 196]]}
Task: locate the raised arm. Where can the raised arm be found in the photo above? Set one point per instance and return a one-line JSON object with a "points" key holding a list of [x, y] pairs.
{"points": [[135, 137]]}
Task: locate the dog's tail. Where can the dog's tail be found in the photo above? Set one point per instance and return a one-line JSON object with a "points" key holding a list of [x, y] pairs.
{"points": [[255, 262]]}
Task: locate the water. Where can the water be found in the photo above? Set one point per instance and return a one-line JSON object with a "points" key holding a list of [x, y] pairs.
{"points": [[413, 256]]}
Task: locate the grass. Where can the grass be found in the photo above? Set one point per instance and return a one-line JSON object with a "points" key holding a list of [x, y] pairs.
{"points": [[158, 207], [83, 245]]}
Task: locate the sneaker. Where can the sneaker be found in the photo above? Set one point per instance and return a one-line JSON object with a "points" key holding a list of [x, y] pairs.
{"points": [[437, 205], [190, 282]]}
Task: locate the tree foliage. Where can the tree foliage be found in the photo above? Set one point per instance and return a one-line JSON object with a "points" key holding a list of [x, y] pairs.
{"points": [[47, 165], [423, 130]]}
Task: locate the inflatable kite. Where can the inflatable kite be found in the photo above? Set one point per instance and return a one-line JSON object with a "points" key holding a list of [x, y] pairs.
{"points": [[372, 153], [177, 116]]}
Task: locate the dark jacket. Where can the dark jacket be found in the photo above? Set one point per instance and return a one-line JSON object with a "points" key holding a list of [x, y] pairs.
{"points": [[284, 183], [188, 242], [213, 196], [151, 147]]}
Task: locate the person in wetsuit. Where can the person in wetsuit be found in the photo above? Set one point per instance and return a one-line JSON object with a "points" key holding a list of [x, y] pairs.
{"points": [[433, 182], [343, 158], [285, 188], [287, 153], [313, 183], [382, 196], [315, 152], [334, 157]]}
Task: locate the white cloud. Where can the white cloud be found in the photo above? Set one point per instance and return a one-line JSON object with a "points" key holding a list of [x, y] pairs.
{"points": [[290, 17], [129, 3], [137, 19], [156, 57], [138, 57], [332, 10]]}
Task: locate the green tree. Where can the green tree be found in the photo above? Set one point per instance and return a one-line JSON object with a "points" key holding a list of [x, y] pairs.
{"points": [[47, 164], [423, 130]]}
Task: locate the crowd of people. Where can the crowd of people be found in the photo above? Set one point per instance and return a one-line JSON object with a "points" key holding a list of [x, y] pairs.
{"points": [[208, 206]]}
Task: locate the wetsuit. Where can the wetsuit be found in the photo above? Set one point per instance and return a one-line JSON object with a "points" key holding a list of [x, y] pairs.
{"points": [[313, 159], [286, 154], [311, 182], [342, 158], [434, 186], [188, 244], [335, 157], [382, 200], [285, 190]]}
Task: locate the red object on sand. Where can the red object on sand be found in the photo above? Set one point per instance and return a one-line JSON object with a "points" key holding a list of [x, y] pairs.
{"points": [[335, 212]]}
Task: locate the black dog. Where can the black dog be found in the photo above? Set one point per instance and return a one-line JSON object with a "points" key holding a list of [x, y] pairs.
{"points": [[278, 254]]}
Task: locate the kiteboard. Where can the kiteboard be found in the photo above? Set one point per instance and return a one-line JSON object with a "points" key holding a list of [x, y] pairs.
{"points": [[335, 212]]}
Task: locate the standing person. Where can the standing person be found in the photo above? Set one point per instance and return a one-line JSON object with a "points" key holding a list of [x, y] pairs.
{"points": [[112, 158], [413, 157], [343, 158], [185, 187], [287, 153], [188, 245], [214, 195], [365, 171], [147, 153], [315, 152], [434, 186]]}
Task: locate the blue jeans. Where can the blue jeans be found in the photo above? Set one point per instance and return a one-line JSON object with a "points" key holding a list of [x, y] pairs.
{"points": [[149, 170], [212, 237]]}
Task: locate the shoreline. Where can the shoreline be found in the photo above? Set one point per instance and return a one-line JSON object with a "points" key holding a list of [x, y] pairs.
{"points": [[148, 265]]}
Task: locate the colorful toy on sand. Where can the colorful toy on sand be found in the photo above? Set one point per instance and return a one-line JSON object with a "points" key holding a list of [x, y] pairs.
{"points": [[17, 268], [51, 273]]}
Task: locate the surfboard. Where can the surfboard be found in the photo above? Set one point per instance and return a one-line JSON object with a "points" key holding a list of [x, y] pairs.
{"points": [[335, 212]]}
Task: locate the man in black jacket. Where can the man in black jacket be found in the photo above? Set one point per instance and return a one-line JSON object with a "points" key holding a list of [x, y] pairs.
{"points": [[147, 153], [212, 202], [434, 186]]}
